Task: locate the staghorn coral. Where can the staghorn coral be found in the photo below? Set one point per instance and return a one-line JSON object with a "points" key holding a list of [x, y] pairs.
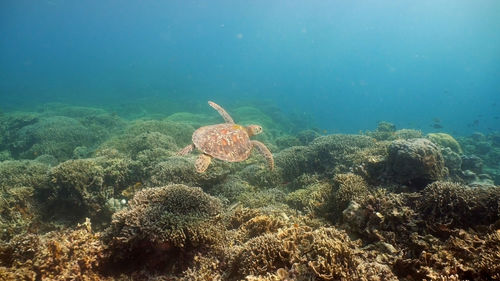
{"points": [[180, 133], [203, 269], [408, 134], [260, 255], [383, 216], [169, 221], [18, 208], [63, 255], [465, 255], [287, 141], [231, 188], [262, 198], [259, 175], [384, 131], [262, 224]]}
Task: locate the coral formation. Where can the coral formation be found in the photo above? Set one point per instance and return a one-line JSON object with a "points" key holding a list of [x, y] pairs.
{"points": [[80, 188], [458, 206], [168, 221], [445, 140], [64, 255], [415, 162]]}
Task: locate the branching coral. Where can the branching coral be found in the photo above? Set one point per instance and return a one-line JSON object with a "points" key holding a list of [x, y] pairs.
{"points": [[324, 253]]}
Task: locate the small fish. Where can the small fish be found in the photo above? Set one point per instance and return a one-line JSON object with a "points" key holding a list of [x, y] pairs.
{"points": [[436, 120]]}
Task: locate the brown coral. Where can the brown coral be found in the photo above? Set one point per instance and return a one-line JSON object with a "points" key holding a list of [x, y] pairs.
{"points": [[65, 255]]}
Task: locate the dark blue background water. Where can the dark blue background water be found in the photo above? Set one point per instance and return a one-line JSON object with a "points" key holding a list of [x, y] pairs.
{"points": [[349, 63]]}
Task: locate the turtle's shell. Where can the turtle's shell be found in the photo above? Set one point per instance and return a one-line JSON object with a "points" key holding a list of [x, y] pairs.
{"points": [[229, 142]]}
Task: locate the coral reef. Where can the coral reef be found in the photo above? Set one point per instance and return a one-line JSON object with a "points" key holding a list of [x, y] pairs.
{"points": [[384, 205]]}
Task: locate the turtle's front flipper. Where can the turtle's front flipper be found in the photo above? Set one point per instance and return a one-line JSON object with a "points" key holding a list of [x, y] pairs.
{"points": [[262, 148], [186, 150], [202, 163], [222, 112]]}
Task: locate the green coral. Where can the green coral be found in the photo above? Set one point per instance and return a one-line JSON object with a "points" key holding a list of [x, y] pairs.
{"points": [[57, 136], [166, 220], [310, 199], [177, 169], [325, 155], [445, 140], [80, 188], [22, 173], [180, 133]]}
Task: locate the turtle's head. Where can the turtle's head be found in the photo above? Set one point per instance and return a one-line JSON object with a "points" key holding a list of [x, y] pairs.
{"points": [[253, 130]]}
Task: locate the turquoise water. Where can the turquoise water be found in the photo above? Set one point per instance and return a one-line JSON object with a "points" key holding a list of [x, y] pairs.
{"points": [[346, 64]]}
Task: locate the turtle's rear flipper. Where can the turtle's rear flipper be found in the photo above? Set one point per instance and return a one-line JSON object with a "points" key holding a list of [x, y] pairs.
{"points": [[186, 150], [202, 163]]}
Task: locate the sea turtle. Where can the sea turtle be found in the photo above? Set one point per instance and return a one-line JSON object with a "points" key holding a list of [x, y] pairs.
{"points": [[227, 141]]}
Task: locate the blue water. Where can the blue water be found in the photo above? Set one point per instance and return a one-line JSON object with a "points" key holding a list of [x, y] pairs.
{"points": [[348, 64]]}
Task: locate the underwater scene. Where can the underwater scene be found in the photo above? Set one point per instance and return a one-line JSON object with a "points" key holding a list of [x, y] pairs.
{"points": [[250, 140]]}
